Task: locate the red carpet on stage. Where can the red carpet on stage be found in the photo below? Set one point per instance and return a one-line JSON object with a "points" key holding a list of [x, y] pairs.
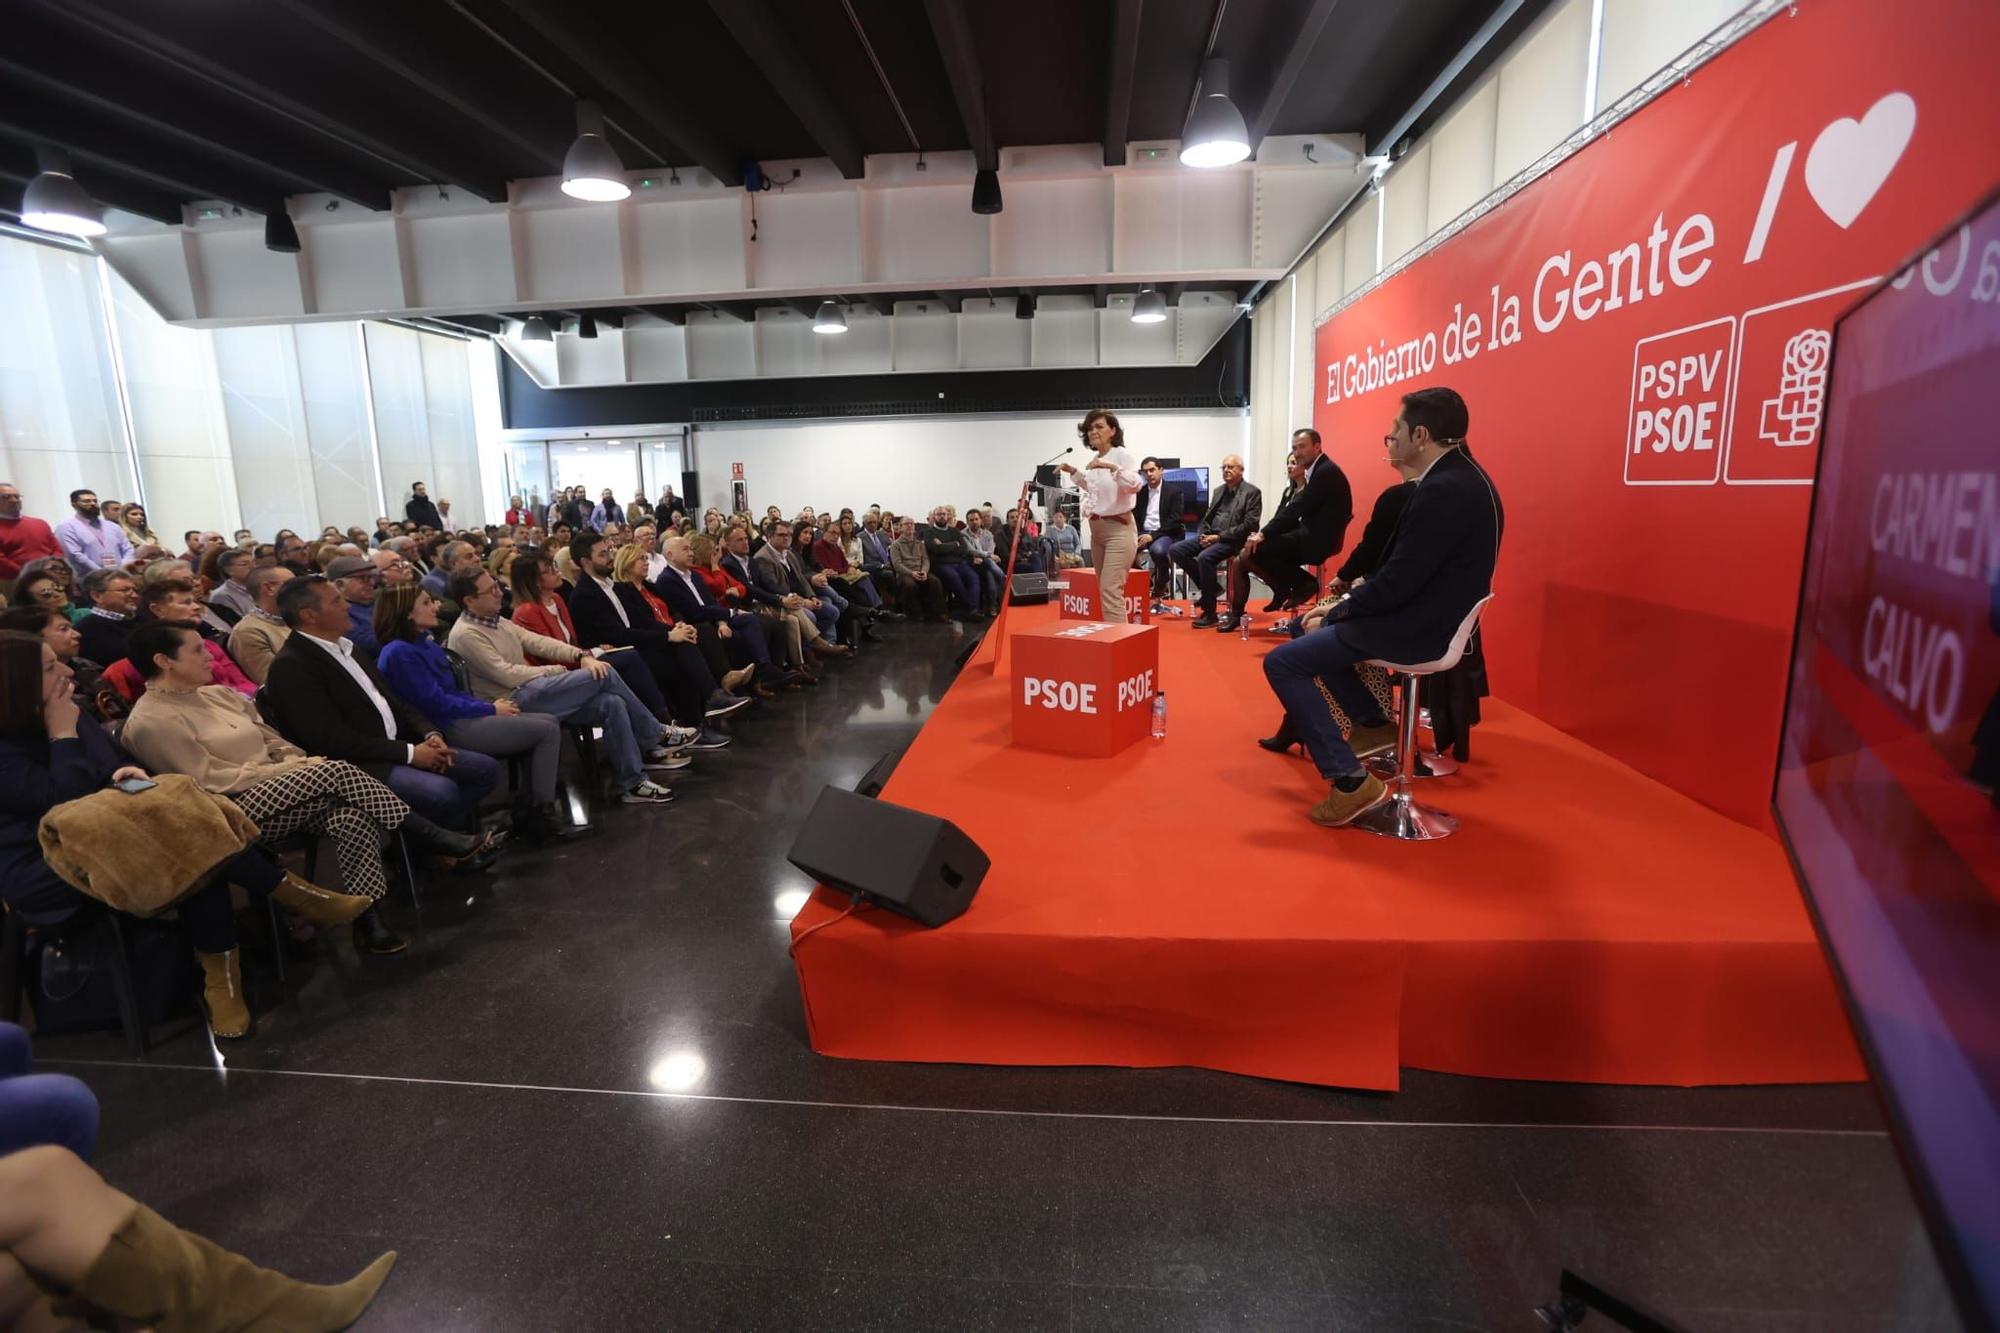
{"points": [[1173, 906]]}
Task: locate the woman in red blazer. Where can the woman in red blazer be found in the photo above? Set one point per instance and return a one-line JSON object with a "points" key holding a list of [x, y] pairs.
{"points": [[539, 608]]}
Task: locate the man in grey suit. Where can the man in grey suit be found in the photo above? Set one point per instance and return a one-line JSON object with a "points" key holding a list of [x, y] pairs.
{"points": [[1233, 514], [779, 570]]}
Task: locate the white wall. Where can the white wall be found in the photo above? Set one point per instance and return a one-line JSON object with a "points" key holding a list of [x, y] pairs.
{"points": [[911, 464]]}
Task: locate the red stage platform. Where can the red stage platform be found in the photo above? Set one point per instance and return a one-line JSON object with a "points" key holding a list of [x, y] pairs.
{"points": [[1586, 923]]}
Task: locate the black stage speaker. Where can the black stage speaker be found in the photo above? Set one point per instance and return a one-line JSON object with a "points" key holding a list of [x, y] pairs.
{"points": [[877, 777], [914, 864], [1031, 589], [691, 493]]}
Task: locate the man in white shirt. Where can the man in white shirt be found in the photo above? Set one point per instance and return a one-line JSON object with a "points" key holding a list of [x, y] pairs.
{"points": [[648, 538], [1110, 482]]}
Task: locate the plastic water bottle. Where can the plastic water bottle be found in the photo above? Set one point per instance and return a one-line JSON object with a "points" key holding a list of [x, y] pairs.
{"points": [[1160, 715], [1243, 627]]}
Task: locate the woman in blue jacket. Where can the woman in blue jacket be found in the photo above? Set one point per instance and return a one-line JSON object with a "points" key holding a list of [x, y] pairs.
{"points": [[416, 668]]}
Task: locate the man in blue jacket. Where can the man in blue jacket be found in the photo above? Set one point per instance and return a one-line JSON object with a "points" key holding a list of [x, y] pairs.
{"points": [[1439, 567]]}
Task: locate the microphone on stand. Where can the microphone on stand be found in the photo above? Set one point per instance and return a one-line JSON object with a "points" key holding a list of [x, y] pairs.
{"points": [[1046, 475]]}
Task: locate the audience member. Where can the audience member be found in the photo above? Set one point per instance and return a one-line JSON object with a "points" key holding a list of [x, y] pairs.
{"points": [[910, 560], [418, 668], [985, 561], [46, 583], [137, 530], [495, 654], [356, 578], [328, 700], [173, 602], [227, 568], [88, 542], [738, 634], [49, 754], [606, 611], [113, 596], [541, 608], [23, 539], [419, 510], [259, 635], [778, 570], [1069, 546], [628, 571], [951, 559], [787, 630]]}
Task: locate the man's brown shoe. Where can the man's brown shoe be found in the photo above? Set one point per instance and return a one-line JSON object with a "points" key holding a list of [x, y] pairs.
{"points": [[1344, 807], [1366, 742]]}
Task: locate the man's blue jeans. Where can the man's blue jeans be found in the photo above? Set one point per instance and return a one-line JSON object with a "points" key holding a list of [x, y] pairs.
{"points": [[578, 698], [450, 798], [1309, 675]]}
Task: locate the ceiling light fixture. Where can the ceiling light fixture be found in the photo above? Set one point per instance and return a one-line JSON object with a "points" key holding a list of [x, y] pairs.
{"points": [[1216, 135], [55, 202], [279, 232], [536, 330], [591, 169], [1150, 308], [829, 319], [586, 326], [986, 191]]}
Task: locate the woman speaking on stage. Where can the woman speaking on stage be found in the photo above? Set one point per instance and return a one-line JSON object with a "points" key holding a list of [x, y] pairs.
{"points": [[1109, 482]]}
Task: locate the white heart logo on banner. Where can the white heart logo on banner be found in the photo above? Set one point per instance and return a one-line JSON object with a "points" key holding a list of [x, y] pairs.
{"points": [[1851, 158]]}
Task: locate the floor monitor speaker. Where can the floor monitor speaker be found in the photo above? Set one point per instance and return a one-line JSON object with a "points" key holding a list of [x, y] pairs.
{"points": [[914, 864]]}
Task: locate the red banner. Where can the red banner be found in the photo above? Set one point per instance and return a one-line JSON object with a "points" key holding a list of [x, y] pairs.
{"points": [[1641, 338]]}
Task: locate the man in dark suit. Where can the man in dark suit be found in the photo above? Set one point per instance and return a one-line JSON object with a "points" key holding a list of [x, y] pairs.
{"points": [[739, 633], [1440, 564], [1160, 511], [608, 612], [1307, 528], [328, 700]]}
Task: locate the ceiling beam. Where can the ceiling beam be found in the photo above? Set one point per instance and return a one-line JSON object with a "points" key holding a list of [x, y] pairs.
{"points": [[951, 301], [1171, 293], [488, 324], [386, 35], [961, 65], [126, 96], [1100, 295], [762, 35], [1124, 75], [1311, 25], [98, 23], [671, 314], [17, 168], [629, 77], [804, 305], [1475, 50], [90, 153]]}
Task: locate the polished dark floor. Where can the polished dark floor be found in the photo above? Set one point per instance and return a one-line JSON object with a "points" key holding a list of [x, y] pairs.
{"points": [[584, 1100]]}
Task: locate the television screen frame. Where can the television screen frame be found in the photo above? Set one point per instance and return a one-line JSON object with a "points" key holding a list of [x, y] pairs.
{"points": [[1978, 1303]]}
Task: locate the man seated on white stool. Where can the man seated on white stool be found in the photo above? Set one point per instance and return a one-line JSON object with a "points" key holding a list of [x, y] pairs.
{"points": [[1438, 569]]}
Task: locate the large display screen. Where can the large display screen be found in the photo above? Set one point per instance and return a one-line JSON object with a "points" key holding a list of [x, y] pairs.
{"points": [[1886, 788]]}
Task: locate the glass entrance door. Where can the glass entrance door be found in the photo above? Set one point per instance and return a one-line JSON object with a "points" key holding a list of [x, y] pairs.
{"points": [[538, 470]]}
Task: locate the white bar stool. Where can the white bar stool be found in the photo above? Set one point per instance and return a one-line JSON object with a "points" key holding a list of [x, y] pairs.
{"points": [[1400, 816]]}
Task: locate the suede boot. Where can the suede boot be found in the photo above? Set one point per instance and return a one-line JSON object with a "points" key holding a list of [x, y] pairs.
{"points": [[174, 1281], [322, 907], [222, 994]]}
